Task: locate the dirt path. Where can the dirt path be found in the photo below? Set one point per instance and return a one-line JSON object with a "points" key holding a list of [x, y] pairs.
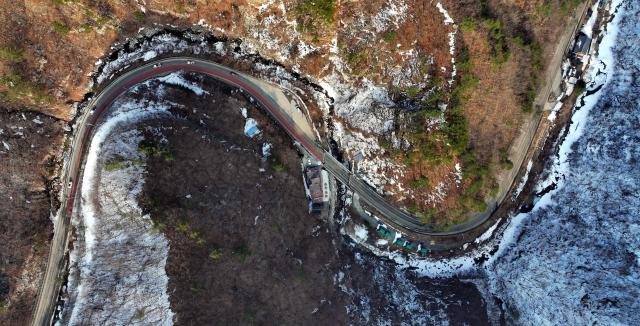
{"points": [[552, 80], [525, 145]]}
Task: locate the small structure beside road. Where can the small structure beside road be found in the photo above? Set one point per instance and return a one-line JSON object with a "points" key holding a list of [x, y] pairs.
{"points": [[251, 128], [316, 186], [582, 45]]}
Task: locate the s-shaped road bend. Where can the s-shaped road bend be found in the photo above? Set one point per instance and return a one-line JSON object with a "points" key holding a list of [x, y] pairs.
{"points": [[270, 97]]}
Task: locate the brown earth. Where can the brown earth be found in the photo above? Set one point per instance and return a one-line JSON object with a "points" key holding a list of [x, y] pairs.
{"points": [[244, 250], [374, 54], [26, 173], [58, 42], [270, 267]]}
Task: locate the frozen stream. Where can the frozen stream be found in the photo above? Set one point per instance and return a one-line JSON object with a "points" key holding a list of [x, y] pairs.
{"points": [[577, 258]]}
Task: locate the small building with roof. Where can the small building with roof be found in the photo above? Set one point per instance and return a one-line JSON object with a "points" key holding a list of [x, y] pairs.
{"points": [[316, 185], [582, 45]]}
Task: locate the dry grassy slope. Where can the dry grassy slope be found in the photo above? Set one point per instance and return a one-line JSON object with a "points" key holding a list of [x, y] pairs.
{"points": [[494, 107], [375, 52], [60, 40]]}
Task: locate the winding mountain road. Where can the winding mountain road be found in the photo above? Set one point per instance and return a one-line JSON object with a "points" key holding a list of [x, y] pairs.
{"points": [[269, 96]]}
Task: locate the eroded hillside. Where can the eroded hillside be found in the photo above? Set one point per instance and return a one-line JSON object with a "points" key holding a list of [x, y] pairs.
{"points": [[429, 96]]}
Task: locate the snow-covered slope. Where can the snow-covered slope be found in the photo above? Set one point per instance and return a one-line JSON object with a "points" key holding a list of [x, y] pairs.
{"points": [[117, 264], [577, 258]]}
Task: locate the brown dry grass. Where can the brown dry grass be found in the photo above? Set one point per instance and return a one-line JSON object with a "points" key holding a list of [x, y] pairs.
{"points": [[427, 29], [371, 56], [493, 108], [61, 62]]}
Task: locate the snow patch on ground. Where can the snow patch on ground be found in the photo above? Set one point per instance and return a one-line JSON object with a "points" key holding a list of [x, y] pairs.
{"points": [[554, 111], [394, 13], [377, 171], [447, 19], [142, 7], [588, 26], [163, 43], [266, 150], [487, 234], [149, 55], [361, 232], [367, 108], [458, 174], [523, 181], [452, 40], [177, 79], [117, 265]]}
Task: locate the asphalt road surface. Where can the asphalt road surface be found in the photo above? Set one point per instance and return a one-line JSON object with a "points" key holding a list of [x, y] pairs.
{"points": [[270, 97]]}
